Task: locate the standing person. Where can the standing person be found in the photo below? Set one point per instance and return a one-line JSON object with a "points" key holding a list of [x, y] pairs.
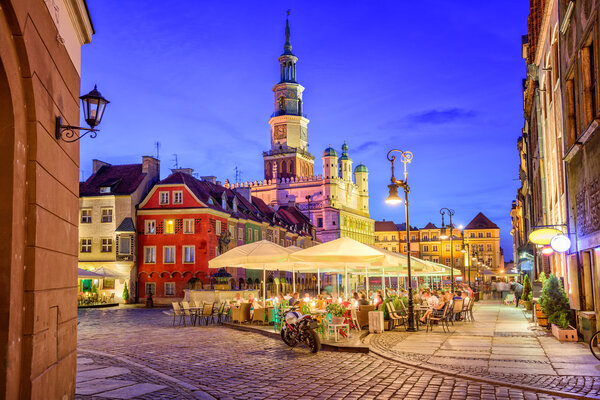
{"points": [[517, 288]]}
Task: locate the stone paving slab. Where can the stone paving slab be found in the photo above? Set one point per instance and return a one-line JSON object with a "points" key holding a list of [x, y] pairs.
{"points": [[214, 362], [132, 392], [100, 385], [97, 373]]}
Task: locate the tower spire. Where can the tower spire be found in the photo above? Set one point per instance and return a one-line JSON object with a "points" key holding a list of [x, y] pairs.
{"points": [[287, 47]]}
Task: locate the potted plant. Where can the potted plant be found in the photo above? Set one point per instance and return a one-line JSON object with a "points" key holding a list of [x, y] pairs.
{"points": [[125, 293], [337, 312], [526, 299], [555, 304]]}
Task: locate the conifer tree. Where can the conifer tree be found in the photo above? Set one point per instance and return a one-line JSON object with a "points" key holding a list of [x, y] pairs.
{"points": [[554, 302], [125, 292]]}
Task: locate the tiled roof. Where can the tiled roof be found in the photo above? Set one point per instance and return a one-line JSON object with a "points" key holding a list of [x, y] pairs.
{"points": [[430, 226], [195, 185], [385, 226], [122, 179], [126, 226], [402, 227], [481, 222]]}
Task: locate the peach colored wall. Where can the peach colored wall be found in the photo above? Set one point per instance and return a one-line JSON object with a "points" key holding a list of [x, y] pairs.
{"points": [[39, 176]]}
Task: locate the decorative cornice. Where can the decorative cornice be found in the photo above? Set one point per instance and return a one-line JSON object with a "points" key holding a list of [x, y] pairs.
{"points": [[80, 18]]}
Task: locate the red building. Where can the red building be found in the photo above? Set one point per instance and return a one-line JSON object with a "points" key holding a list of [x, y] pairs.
{"points": [[179, 224]]}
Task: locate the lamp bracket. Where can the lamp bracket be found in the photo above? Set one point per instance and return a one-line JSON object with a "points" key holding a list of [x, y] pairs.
{"points": [[70, 134]]}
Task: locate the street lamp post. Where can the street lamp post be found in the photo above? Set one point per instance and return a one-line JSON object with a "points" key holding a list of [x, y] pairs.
{"points": [[405, 158], [466, 248], [450, 212]]}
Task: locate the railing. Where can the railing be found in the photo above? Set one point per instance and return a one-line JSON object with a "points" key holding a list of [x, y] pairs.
{"points": [[278, 113], [288, 150]]}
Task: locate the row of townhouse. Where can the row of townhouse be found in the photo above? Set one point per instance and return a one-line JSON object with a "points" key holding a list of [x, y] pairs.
{"points": [[559, 148], [158, 236], [477, 246]]}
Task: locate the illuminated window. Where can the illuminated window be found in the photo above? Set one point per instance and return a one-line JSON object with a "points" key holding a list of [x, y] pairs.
{"points": [[188, 226], [218, 227], [434, 248], [488, 234], [169, 226]]}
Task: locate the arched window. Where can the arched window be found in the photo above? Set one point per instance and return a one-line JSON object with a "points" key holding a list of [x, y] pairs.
{"points": [[282, 103]]}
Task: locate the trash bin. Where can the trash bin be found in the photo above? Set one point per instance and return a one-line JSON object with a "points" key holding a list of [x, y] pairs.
{"points": [[586, 324]]}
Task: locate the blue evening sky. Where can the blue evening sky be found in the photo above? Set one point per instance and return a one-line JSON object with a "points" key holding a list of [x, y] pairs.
{"points": [[439, 78]]}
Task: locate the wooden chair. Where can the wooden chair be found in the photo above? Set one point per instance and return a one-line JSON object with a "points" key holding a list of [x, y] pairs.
{"points": [[363, 315], [457, 306], [354, 319], [241, 313], [468, 311], [442, 319], [188, 312], [259, 315], [396, 317], [221, 313], [178, 313]]}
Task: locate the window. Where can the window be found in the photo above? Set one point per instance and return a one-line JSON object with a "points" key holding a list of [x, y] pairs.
{"points": [[104, 189], [169, 226], [149, 255], [436, 259], [412, 238], [189, 254], [107, 214], [169, 254], [264, 235], [589, 82], [107, 245], [480, 247], [150, 288], [218, 227], [426, 248], [169, 288], [188, 226], [488, 234], [447, 247], [434, 247], [472, 234], [457, 247], [434, 237], [256, 234], [425, 237], [178, 197], [393, 237], [86, 216], [480, 234], [163, 198], [86, 245], [232, 232], [447, 261], [240, 233], [150, 227], [489, 247], [456, 261], [385, 238], [108, 283], [249, 235], [319, 222], [125, 245], [572, 122], [404, 249]]}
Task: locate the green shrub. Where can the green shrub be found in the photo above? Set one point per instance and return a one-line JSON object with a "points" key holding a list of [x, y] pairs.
{"points": [[125, 292], [542, 277], [555, 303], [526, 288], [94, 289]]}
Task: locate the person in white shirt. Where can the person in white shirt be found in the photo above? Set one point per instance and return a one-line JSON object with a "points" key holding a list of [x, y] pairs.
{"points": [[432, 301]]}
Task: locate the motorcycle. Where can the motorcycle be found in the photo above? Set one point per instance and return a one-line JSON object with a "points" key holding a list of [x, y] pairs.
{"points": [[298, 328]]}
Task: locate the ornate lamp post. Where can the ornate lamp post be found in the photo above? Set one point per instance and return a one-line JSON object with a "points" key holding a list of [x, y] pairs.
{"points": [[444, 235], [394, 199], [466, 248]]}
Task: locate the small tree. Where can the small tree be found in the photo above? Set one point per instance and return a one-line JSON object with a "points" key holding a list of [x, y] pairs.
{"points": [[526, 288], [125, 292], [542, 277], [94, 289], [555, 303]]}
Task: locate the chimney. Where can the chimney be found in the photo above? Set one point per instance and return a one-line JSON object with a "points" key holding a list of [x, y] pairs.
{"points": [[211, 179], [151, 167], [245, 192], [97, 164], [188, 171]]}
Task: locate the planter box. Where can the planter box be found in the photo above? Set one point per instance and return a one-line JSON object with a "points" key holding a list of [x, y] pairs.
{"points": [[565, 335], [337, 320], [542, 321], [540, 314], [527, 304]]}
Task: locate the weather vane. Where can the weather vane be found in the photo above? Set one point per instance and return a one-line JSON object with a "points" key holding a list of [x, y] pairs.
{"points": [[288, 11]]}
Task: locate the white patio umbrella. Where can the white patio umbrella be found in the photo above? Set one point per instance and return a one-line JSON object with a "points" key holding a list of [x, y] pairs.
{"points": [[109, 273], [257, 255], [85, 274], [340, 252]]}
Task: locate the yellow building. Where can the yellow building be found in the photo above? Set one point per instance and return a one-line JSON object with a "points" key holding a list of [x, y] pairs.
{"points": [[483, 238], [387, 236], [107, 218]]}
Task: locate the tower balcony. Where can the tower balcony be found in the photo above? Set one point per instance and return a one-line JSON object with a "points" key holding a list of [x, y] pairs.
{"points": [[288, 150], [278, 113]]}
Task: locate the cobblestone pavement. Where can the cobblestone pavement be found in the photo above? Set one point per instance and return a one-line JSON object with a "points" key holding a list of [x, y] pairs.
{"points": [[501, 345], [139, 353]]}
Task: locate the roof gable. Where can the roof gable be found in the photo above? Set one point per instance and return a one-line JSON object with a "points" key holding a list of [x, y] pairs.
{"points": [[430, 226], [385, 226], [481, 222], [118, 179]]}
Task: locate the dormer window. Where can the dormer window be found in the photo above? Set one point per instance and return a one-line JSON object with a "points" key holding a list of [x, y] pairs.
{"points": [[104, 189]]}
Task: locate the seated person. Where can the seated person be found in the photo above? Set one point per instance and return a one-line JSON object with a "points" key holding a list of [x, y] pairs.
{"points": [[378, 300], [363, 300], [295, 299], [432, 301], [457, 295], [237, 299], [438, 309]]}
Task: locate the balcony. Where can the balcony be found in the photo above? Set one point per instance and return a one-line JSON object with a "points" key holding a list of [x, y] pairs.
{"points": [[278, 113], [288, 150]]}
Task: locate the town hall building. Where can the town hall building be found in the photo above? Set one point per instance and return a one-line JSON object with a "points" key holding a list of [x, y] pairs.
{"points": [[337, 201]]}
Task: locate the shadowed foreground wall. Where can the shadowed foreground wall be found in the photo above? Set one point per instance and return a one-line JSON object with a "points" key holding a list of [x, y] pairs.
{"points": [[39, 79]]}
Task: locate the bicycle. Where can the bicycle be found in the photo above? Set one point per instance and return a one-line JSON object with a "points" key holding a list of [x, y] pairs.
{"points": [[595, 345]]}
